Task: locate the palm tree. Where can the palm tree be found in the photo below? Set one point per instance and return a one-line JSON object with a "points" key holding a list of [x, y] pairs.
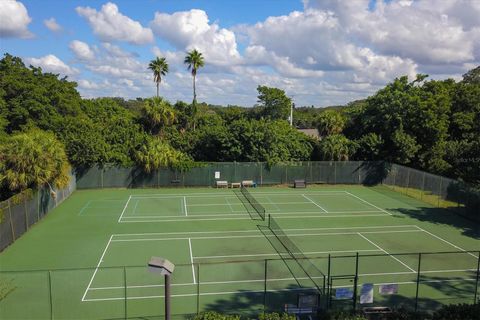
{"points": [[194, 61], [159, 66], [157, 114]]}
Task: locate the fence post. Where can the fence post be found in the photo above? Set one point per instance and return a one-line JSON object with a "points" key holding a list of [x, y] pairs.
{"points": [[198, 288], [475, 300], [408, 181], [265, 286], [423, 186], [418, 280], [11, 222], [50, 293], [26, 214], [355, 284], [335, 172], [439, 192], [329, 294], [125, 285]]}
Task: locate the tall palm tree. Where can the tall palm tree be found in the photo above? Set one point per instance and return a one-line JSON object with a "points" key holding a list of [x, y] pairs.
{"points": [[194, 61], [159, 66]]}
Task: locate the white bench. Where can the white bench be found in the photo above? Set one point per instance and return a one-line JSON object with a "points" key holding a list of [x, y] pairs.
{"points": [[235, 185], [221, 184], [248, 183]]}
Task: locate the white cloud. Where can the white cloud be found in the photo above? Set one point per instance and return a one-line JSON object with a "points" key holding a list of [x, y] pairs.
{"points": [[81, 50], [86, 84], [14, 20], [110, 25], [50, 63], [52, 25], [188, 30]]}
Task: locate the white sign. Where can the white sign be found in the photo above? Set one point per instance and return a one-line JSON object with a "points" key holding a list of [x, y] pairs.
{"points": [[366, 293], [388, 288], [217, 174], [343, 293]]}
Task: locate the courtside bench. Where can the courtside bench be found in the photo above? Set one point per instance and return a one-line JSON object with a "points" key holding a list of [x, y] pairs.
{"points": [[221, 184], [249, 183], [300, 183]]}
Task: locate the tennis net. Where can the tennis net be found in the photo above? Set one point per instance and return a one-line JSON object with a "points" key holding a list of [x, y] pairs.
{"points": [[311, 271], [253, 202]]}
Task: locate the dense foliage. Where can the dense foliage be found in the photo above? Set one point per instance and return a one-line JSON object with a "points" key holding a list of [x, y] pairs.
{"points": [[431, 125]]}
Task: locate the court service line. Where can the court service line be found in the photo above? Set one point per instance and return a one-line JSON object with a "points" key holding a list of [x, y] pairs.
{"points": [[447, 242], [215, 195], [124, 208], [185, 206], [191, 260], [96, 269], [248, 218], [276, 254], [256, 231], [368, 203], [376, 245], [303, 195], [263, 236], [201, 215]]}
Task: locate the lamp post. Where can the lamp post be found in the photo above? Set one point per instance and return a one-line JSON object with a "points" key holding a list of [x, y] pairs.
{"points": [[164, 267]]}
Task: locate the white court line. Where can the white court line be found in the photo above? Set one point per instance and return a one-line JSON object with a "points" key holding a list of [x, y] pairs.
{"points": [[276, 254], [215, 195], [455, 246], [264, 236], [368, 203], [98, 265], [376, 245], [248, 218], [124, 208], [185, 206], [277, 280], [261, 291], [156, 216], [191, 260], [314, 203], [256, 231], [84, 207]]}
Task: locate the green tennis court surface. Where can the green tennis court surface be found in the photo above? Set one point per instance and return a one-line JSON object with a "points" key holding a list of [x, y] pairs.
{"points": [[98, 242]]}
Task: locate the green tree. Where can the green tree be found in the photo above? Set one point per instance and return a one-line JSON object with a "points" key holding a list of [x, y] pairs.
{"points": [[369, 147], [336, 147], [159, 67], [330, 122], [274, 103], [157, 114], [472, 76], [194, 61], [33, 159], [156, 153]]}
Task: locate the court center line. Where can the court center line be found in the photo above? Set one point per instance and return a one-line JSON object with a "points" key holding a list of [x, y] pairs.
{"points": [[303, 195], [376, 245], [124, 208], [447, 242], [368, 203], [185, 206], [191, 260], [96, 269]]}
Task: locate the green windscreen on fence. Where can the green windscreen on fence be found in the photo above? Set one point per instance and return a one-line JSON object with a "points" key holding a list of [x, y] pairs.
{"points": [[253, 202]]}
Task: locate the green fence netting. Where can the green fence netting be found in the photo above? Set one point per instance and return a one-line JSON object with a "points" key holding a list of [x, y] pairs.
{"points": [[20, 212]]}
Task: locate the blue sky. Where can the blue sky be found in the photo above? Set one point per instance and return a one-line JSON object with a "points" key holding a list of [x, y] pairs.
{"points": [[320, 52]]}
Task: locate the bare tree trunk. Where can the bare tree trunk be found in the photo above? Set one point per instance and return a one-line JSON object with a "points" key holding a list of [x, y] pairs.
{"points": [[194, 91], [158, 84]]}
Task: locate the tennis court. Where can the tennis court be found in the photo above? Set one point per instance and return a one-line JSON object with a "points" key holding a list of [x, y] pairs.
{"points": [[236, 252]]}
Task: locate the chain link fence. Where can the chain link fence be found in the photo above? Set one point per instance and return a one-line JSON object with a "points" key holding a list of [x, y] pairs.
{"points": [[246, 288], [436, 190], [20, 212]]}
